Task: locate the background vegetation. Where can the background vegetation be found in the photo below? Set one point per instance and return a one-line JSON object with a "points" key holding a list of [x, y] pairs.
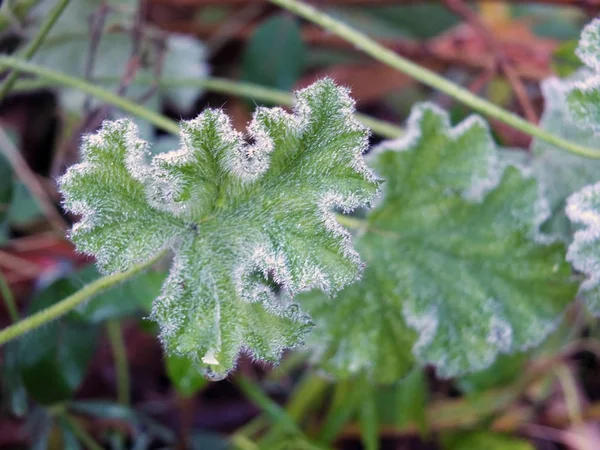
{"points": [[97, 377]]}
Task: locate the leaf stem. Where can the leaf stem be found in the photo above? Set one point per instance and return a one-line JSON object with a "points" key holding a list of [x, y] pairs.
{"points": [[390, 58], [64, 306], [220, 85], [261, 93], [275, 412], [35, 44], [9, 299], [63, 79], [88, 441], [119, 351]]}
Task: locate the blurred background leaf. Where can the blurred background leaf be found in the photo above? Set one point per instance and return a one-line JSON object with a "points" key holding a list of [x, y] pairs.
{"points": [[275, 54]]}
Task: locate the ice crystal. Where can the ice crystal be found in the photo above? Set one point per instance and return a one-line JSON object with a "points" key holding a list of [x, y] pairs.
{"points": [[455, 271], [245, 216]]}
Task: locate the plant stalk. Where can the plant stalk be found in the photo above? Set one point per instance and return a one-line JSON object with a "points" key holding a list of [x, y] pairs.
{"points": [[9, 299], [34, 45], [64, 306], [80, 432], [119, 351], [63, 79], [431, 79], [247, 90]]}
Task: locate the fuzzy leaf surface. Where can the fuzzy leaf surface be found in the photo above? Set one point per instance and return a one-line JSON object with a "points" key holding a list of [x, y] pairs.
{"points": [[243, 219], [454, 270], [561, 173], [583, 209], [584, 97]]}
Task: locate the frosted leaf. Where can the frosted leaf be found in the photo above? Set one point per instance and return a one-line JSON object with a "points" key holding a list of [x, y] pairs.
{"points": [[562, 173], [584, 95], [117, 225], [583, 208], [589, 45], [245, 216], [455, 277]]}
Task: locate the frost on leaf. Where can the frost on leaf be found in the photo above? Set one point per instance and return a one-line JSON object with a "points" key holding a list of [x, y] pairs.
{"points": [[454, 272], [561, 173], [583, 208], [584, 96], [246, 216]]}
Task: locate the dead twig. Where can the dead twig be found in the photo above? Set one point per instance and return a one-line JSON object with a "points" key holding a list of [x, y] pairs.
{"points": [[18, 265], [501, 60], [97, 21], [160, 47]]}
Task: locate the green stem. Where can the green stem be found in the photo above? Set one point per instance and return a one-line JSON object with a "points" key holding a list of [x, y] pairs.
{"points": [[119, 351], [9, 13], [261, 93], [275, 412], [35, 44], [9, 299], [86, 439], [390, 58], [241, 442], [307, 396], [64, 306], [108, 97], [247, 90]]}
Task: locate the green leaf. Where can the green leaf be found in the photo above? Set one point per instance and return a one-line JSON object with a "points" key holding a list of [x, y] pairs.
{"points": [[133, 296], [584, 97], [242, 219], [105, 410], [477, 440], [41, 437], [367, 418], [185, 375], [14, 396], [343, 405], [504, 370], [208, 441], [561, 173], [69, 439], [24, 208], [6, 190], [456, 267], [411, 397], [583, 208], [564, 59], [53, 359], [275, 54], [123, 300], [141, 423]]}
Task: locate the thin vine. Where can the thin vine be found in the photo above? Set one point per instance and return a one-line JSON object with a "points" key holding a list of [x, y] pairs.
{"points": [[380, 53]]}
